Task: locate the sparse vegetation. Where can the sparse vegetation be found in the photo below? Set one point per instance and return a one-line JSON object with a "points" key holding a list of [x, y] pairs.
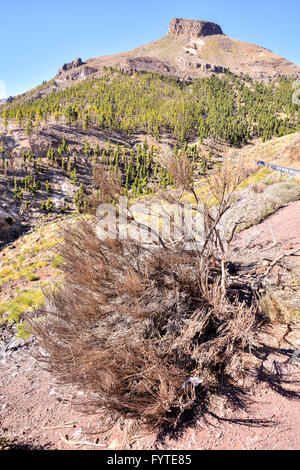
{"points": [[253, 207], [21, 274]]}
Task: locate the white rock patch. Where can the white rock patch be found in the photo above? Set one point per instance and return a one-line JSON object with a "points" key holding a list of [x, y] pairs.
{"points": [[199, 42]]}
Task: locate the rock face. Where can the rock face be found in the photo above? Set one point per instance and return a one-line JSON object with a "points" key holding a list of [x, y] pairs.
{"points": [[9, 226], [72, 65], [147, 64], [76, 70], [193, 28]]}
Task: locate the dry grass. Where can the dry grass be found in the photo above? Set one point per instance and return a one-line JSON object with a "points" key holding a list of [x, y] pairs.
{"points": [[278, 311]]}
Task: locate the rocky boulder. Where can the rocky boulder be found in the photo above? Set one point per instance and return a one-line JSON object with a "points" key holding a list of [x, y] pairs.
{"points": [[148, 64], [76, 70], [8, 226]]}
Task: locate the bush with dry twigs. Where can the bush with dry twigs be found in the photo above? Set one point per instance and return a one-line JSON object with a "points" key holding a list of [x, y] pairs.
{"points": [[147, 332]]}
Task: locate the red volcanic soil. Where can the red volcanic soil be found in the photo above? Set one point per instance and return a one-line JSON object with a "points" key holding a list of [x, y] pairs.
{"points": [[283, 227]]}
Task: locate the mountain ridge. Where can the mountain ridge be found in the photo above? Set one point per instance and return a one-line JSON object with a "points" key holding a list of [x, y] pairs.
{"points": [[191, 49]]}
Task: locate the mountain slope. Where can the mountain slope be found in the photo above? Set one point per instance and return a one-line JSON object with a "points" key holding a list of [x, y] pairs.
{"points": [[191, 49]]}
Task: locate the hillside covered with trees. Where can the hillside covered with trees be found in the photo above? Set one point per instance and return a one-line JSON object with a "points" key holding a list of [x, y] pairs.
{"points": [[233, 108]]}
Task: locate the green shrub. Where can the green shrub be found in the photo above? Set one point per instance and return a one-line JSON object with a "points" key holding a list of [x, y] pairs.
{"points": [[32, 277], [28, 299], [49, 205], [22, 331], [57, 261]]}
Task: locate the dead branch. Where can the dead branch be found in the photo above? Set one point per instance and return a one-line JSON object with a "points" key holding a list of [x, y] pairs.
{"points": [[80, 443], [59, 426], [279, 258]]}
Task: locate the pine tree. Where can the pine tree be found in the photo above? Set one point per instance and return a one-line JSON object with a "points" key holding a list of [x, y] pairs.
{"points": [[48, 187], [29, 128], [49, 205], [86, 121]]}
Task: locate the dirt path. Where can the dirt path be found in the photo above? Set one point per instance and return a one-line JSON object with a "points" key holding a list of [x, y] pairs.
{"points": [[30, 402]]}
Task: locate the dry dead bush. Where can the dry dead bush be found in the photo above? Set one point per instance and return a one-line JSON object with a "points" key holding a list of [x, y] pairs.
{"points": [[146, 333], [259, 188], [107, 188], [294, 152], [133, 328], [181, 169]]}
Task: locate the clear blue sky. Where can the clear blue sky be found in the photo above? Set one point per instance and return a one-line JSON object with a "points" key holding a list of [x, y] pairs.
{"points": [[38, 37]]}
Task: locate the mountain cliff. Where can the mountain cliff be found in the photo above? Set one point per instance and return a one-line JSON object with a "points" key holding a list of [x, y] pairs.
{"points": [[193, 28]]}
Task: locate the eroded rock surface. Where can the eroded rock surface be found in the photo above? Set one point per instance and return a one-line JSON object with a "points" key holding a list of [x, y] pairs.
{"points": [[193, 28]]}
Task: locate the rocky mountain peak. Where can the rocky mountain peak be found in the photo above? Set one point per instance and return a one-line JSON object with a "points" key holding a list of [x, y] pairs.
{"points": [[72, 65], [193, 28]]}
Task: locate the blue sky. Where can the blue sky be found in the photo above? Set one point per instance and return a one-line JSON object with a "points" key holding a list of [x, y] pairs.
{"points": [[38, 37]]}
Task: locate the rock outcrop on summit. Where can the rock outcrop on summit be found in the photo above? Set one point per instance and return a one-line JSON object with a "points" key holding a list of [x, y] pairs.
{"points": [[193, 28], [191, 49], [79, 70], [71, 65]]}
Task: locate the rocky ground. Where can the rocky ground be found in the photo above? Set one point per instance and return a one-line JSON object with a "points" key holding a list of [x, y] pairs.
{"points": [[36, 413]]}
